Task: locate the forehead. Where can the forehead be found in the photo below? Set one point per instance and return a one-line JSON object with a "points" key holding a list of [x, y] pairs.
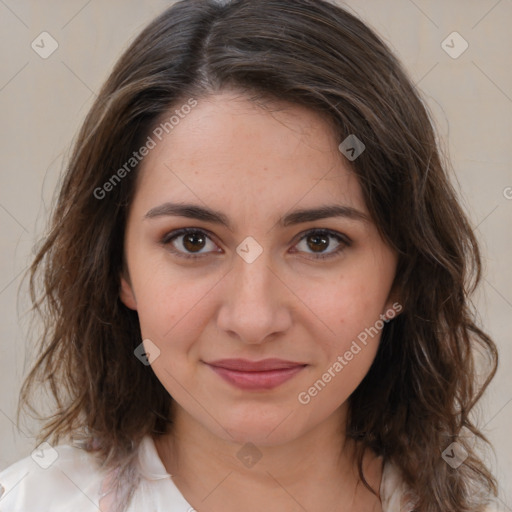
{"points": [[229, 147]]}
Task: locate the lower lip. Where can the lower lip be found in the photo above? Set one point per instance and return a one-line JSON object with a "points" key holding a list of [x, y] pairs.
{"points": [[257, 380]]}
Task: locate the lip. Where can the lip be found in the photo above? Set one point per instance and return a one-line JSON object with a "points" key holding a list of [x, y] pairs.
{"points": [[256, 375], [245, 365]]}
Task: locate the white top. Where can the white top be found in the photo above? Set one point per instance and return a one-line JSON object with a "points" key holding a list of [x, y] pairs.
{"points": [[66, 478]]}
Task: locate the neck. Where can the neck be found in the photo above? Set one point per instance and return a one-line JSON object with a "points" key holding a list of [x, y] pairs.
{"points": [[318, 468]]}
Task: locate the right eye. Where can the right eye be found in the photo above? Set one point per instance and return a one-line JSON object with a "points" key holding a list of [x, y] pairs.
{"points": [[188, 239]]}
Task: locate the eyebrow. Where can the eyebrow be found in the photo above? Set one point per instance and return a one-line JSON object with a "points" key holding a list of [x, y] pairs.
{"points": [[197, 212]]}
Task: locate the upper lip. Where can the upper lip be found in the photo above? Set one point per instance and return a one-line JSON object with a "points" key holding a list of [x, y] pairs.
{"points": [[245, 365]]}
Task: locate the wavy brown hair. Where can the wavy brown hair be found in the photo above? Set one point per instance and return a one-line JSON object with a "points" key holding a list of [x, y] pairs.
{"points": [[418, 395]]}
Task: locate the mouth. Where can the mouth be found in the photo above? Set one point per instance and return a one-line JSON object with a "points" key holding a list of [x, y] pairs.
{"points": [[256, 375]]}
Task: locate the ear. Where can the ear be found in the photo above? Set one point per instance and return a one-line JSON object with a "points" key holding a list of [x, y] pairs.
{"points": [[126, 293], [394, 304]]}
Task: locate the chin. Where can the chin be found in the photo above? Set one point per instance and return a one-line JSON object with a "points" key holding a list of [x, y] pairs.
{"points": [[261, 429]]}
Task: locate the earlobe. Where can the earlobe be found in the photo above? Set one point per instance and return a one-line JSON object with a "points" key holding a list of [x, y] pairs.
{"points": [[393, 310], [394, 305], [126, 294]]}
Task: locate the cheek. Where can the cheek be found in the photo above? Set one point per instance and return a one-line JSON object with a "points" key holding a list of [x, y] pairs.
{"points": [[347, 307], [348, 337], [174, 311], [172, 320], [348, 348]]}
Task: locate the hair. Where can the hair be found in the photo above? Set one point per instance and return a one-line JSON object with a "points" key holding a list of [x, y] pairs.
{"points": [[417, 397]]}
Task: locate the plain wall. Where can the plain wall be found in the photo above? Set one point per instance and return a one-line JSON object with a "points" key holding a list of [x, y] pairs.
{"points": [[43, 102]]}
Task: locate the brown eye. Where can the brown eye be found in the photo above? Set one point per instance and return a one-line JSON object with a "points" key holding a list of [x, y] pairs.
{"points": [[193, 241], [318, 241], [189, 243]]}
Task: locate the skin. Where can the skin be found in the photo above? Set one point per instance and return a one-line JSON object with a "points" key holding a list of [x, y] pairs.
{"points": [[255, 166]]}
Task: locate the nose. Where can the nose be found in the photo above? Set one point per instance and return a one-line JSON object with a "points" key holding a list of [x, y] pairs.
{"points": [[255, 303]]}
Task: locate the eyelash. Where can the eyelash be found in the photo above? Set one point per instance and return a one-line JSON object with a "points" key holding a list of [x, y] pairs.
{"points": [[342, 239]]}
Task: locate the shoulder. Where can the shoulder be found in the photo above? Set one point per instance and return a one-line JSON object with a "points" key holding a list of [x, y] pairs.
{"points": [[395, 494], [56, 479]]}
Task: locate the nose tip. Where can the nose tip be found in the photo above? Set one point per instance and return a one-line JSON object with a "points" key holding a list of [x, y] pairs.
{"points": [[253, 307]]}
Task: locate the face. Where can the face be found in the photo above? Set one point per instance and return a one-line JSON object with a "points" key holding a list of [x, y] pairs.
{"points": [[253, 278]]}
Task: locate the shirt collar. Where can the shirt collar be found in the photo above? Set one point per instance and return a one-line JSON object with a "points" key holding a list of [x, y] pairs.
{"points": [[151, 466]]}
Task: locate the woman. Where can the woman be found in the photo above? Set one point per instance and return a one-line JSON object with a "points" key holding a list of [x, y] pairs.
{"points": [[255, 287]]}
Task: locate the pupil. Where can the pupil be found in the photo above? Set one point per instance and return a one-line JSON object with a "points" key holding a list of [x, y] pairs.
{"points": [[193, 238], [319, 239]]}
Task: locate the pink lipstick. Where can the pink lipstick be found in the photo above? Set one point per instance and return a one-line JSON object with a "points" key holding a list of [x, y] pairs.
{"points": [[256, 375]]}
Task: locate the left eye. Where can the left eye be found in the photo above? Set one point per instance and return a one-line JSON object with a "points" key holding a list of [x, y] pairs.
{"points": [[182, 241], [319, 240]]}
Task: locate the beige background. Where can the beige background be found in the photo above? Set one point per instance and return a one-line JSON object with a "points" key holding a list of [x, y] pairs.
{"points": [[43, 102]]}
